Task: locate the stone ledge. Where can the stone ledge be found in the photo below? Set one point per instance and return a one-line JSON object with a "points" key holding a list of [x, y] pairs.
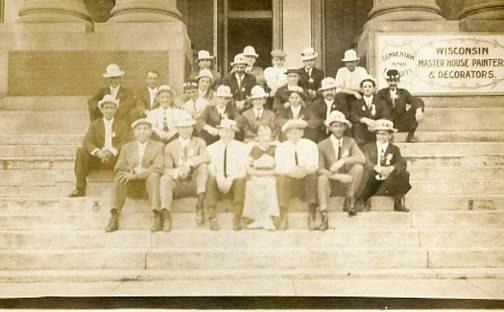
{"points": [[45, 27]]}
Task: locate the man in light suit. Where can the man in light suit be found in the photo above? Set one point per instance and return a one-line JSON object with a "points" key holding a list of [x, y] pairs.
{"points": [[340, 165], [101, 145], [253, 117], [124, 96], [185, 170], [240, 82], [137, 173], [145, 98]]}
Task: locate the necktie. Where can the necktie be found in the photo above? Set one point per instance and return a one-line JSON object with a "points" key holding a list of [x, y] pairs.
{"points": [[340, 145], [258, 115], [225, 162], [296, 159], [165, 121], [186, 153]]}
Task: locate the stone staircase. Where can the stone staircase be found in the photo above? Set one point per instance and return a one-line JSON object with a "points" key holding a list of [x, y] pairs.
{"points": [[455, 229]]}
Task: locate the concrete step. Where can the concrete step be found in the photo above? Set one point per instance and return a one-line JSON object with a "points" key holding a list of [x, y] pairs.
{"points": [[42, 139], [26, 122], [461, 237], [457, 186], [439, 219], [44, 103], [38, 150], [467, 101], [462, 119], [466, 257]]}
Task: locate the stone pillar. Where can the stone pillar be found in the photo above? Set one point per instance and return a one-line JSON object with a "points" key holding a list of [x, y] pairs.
{"points": [[405, 10], [482, 10], [145, 11], [54, 11]]}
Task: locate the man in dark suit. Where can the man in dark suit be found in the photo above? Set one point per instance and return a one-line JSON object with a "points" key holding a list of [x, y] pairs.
{"points": [[137, 174], [124, 96], [385, 168], [282, 95], [145, 98], [365, 111], [251, 119], [340, 165], [310, 76], [407, 110], [101, 145], [240, 82]]}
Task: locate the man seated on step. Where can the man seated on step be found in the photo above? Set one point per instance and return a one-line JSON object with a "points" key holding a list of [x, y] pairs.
{"points": [[348, 78], [406, 110], [101, 145], [124, 96], [185, 174], [340, 165], [385, 168], [227, 173], [297, 165], [256, 115], [137, 174], [145, 98]]}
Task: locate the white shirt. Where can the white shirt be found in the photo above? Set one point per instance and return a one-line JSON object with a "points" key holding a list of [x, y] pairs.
{"points": [[275, 77], [308, 71], [336, 143], [307, 154], [141, 151], [258, 113], [114, 91], [157, 115], [152, 96], [239, 79], [295, 111], [368, 100], [346, 79], [380, 151], [328, 107], [221, 111], [236, 156], [109, 134]]}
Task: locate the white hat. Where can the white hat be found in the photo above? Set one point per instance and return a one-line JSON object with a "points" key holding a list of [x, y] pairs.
{"points": [[142, 121], [223, 91], [204, 55], [308, 54], [165, 88], [337, 116], [113, 70], [185, 121], [228, 124], [250, 51], [239, 59], [328, 83], [258, 92], [204, 73], [278, 53], [368, 78], [294, 123], [350, 56], [108, 98], [383, 124]]}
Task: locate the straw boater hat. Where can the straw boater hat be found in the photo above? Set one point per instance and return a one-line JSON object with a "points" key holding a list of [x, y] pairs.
{"points": [[258, 92], [113, 70], [294, 124], [337, 116], [250, 51], [350, 56], [204, 55], [188, 85], [204, 73], [368, 78], [328, 83], [142, 121], [278, 53], [308, 54], [223, 91], [297, 90], [292, 70], [392, 74], [228, 124], [185, 121], [383, 124], [239, 59], [165, 88], [108, 98]]}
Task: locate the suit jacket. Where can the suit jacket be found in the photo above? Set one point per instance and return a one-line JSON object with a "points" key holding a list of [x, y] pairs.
{"points": [[282, 96], [316, 75], [152, 160], [398, 106], [350, 151], [210, 116], [249, 123], [126, 102], [396, 160], [95, 135], [319, 108], [311, 132], [258, 73], [359, 109], [142, 100], [174, 155], [240, 93]]}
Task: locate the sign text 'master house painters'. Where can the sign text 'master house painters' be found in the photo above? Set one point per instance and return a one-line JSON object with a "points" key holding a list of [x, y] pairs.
{"points": [[443, 64]]}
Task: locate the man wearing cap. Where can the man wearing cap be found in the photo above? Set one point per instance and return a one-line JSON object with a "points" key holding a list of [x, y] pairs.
{"points": [[137, 173], [227, 172], [163, 118], [340, 166], [205, 62], [407, 110], [281, 99], [385, 168], [323, 106], [124, 96], [297, 165], [185, 170], [253, 117], [310, 77], [276, 75], [190, 98], [251, 57], [145, 98], [101, 145], [240, 82], [348, 78], [365, 111]]}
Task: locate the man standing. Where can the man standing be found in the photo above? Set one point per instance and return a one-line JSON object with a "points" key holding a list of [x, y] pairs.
{"points": [[340, 165], [185, 170], [137, 172], [310, 76], [240, 82], [124, 97], [205, 61], [100, 147], [253, 117], [227, 172], [145, 98], [407, 110], [251, 57], [297, 164]]}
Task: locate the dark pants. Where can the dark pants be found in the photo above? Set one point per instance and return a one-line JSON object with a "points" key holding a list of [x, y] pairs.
{"points": [[237, 191], [361, 134], [85, 163], [149, 187], [405, 121], [397, 185], [287, 187]]}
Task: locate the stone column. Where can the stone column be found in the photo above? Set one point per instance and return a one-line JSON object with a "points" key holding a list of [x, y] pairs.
{"points": [[482, 10], [145, 11], [54, 11], [405, 10]]}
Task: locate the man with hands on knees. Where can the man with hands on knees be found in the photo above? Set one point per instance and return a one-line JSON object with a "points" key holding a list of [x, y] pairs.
{"points": [[163, 118]]}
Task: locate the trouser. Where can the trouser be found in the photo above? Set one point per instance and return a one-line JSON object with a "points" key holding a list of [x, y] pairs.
{"points": [[194, 185], [397, 184], [351, 189], [286, 186], [361, 134], [237, 191], [406, 121], [85, 163], [136, 189]]}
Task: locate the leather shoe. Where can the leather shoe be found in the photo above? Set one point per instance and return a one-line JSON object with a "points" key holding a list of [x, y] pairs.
{"points": [[410, 138], [157, 225], [351, 207], [324, 224], [214, 226], [113, 224], [167, 221], [77, 193], [399, 204]]}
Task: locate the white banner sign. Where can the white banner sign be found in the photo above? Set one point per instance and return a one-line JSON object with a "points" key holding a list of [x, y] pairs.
{"points": [[443, 64]]}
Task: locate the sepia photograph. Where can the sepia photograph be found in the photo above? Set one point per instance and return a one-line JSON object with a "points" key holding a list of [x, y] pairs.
{"points": [[251, 154]]}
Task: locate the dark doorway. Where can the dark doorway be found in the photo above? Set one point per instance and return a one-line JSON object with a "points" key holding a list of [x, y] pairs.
{"points": [[254, 32]]}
